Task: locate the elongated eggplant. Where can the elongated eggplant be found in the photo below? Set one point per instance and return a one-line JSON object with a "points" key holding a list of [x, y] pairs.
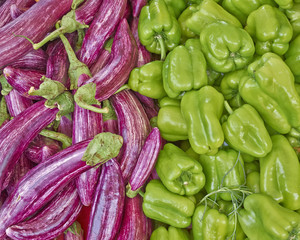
{"points": [[101, 28], [145, 163], [150, 106], [16, 103], [15, 11], [137, 6], [110, 120], [45, 180], [35, 23], [66, 125], [101, 62], [74, 232], [107, 208], [135, 224], [133, 126], [87, 11], [52, 220]]}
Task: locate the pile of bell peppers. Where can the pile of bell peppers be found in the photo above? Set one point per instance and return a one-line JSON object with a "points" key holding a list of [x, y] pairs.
{"points": [[226, 77]]}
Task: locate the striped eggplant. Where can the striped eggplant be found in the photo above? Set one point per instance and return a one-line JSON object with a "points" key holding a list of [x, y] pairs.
{"points": [[137, 6], [74, 232]]}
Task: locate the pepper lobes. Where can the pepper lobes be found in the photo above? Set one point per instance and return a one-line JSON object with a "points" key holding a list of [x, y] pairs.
{"points": [[263, 218], [270, 89], [226, 47], [171, 233], [274, 34], [202, 110], [293, 14], [292, 57], [162, 205], [184, 69], [178, 172]]}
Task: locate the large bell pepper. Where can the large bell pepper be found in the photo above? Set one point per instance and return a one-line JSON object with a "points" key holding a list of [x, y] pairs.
{"points": [[280, 173], [147, 80], [184, 69], [263, 218], [286, 4], [170, 121], [245, 131], [292, 58], [226, 47], [270, 89], [178, 172], [202, 110], [253, 181], [270, 30], [172, 233], [176, 6], [224, 169], [293, 14], [162, 205], [158, 28]]}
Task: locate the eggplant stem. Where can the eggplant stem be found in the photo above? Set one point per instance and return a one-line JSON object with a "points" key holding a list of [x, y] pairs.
{"points": [[124, 87], [64, 139], [27, 38], [50, 37]]}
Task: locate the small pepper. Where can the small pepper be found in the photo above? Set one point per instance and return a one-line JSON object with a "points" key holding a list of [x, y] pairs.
{"points": [[253, 181], [171, 233], [294, 18], [292, 57], [176, 6]]}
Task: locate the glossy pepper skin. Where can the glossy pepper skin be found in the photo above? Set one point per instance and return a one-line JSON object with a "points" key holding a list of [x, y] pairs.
{"points": [[294, 18], [274, 34], [279, 105], [172, 233], [176, 6], [280, 173], [263, 218], [147, 80], [224, 169], [202, 110], [179, 172], [226, 47], [285, 4], [162, 205], [245, 131], [158, 28], [170, 121], [184, 69], [292, 57]]}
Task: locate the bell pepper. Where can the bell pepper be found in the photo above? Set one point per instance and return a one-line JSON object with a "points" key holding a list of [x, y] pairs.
{"points": [[147, 80], [245, 131], [274, 34], [162, 205], [202, 110], [158, 28], [251, 167], [186, 33], [224, 169], [184, 69], [170, 121], [285, 4], [178, 172], [269, 88], [242, 9], [226, 47], [213, 78], [292, 57], [253, 181], [196, 17], [171, 233], [294, 18], [263, 218], [280, 173], [176, 6]]}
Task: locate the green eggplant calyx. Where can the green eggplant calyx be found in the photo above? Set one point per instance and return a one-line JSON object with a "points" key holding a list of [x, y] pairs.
{"points": [[6, 87]]}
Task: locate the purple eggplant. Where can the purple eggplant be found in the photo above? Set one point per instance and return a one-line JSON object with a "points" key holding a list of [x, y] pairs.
{"points": [[52, 220], [102, 27], [110, 120], [107, 208], [127, 13], [145, 163], [15, 11], [133, 126], [137, 6], [74, 232], [135, 225], [3, 196], [101, 62], [35, 23], [87, 11], [66, 125], [16, 103], [45, 180], [149, 104]]}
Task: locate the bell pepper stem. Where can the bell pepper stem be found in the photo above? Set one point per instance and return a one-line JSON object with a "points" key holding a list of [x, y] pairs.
{"points": [[64, 139], [162, 47], [227, 107]]}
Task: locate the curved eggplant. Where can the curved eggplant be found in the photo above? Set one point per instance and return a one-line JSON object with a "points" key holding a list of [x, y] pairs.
{"points": [[16, 103], [137, 6]]}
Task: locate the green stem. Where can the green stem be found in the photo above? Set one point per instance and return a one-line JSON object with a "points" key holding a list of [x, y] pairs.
{"points": [[64, 139], [141, 193], [6, 87], [227, 107], [124, 87], [162, 47], [111, 115], [80, 34]]}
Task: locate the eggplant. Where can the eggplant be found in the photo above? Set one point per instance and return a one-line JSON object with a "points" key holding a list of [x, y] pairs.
{"points": [[45, 180], [137, 6], [149, 104], [52, 220], [35, 23], [74, 232], [101, 62], [66, 125], [102, 27], [133, 126], [110, 120], [15, 11], [16, 103], [107, 209]]}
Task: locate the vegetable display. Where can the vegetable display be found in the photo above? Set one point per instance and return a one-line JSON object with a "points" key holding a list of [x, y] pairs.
{"points": [[145, 120]]}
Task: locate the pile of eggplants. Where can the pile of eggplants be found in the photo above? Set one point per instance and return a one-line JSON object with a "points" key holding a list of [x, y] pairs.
{"points": [[58, 158]]}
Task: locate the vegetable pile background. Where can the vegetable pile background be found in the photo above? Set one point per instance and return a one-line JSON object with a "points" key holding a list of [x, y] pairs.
{"points": [[160, 119]]}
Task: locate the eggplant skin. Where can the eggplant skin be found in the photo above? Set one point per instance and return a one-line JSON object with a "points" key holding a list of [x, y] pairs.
{"points": [[35, 23]]}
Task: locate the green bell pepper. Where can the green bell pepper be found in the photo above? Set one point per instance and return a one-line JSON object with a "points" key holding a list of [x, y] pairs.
{"points": [[162, 205], [226, 47], [285, 4], [253, 181], [171, 233], [280, 173], [224, 169], [292, 58], [178, 172], [176, 6], [274, 34], [147, 80], [213, 78], [293, 14], [251, 166], [263, 218], [270, 89], [184, 69], [202, 111], [245, 131], [158, 28], [242, 9], [170, 121]]}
